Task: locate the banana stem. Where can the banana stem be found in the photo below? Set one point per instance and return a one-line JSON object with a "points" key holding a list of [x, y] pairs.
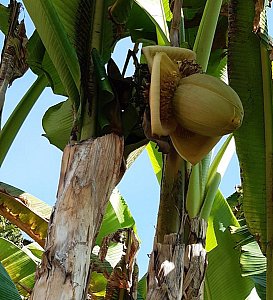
{"points": [[171, 196]]}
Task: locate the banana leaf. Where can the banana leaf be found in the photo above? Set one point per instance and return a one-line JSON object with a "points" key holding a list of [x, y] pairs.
{"points": [[253, 138], [4, 19], [19, 265], [8, 290]]}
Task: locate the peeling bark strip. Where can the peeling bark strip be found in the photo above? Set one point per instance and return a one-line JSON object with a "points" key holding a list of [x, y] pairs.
{"points": [[165, 279], [90, 171], [195, 261], [177, 272]]}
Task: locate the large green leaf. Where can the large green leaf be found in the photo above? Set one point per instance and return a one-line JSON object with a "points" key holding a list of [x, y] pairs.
{"points": [[251, 141], [19, 114], [55, 39], [223, 277], [41, 64], [140, 25], [117, 216], [253, 264], [8, 290], [155, 10], [252, 260], [20, 267], [57, 123]]}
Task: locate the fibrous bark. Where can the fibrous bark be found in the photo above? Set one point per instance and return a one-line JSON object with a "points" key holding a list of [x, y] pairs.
{"points": [[165, 279], [176, 270], [195, 261], [90, 171]]}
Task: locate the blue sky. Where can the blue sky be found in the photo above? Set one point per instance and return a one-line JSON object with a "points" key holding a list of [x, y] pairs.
{"points": [[33, 165]]}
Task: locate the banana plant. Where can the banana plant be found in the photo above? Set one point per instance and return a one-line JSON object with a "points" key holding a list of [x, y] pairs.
{"points": [[99, 125]]}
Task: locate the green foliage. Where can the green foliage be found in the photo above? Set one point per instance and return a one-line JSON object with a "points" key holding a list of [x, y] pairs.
{"points": [[8, 290], [223, 278], [60, 53], [19, 265], [117, 216], [4, 19], [53, 35], [19, 114], [10, 232], [62, 114], [250, 137]]}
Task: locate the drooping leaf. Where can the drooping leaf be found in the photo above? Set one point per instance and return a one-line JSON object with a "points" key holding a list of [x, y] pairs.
{"points": [[120, 11], [35, 249], [125, 273], [100, 266], [13, 63], [260, 284], [252, 260], [58, 122], [18, 116], [155, 10], [117, 216], [59, 47], [41, 64], [223, 278], [140, 25], [156, 160], [27, 212], [20, 267], [250, 138], [8, 290], [109, 109]]}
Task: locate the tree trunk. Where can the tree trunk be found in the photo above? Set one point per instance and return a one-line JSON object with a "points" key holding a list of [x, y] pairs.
{"points": [[195, 261], [176, 271], [165, 274], [90, 170], [166, 265]]}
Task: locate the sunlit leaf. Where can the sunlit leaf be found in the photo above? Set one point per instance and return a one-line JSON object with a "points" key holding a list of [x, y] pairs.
{"points": [[8, 290], [20, 267]]}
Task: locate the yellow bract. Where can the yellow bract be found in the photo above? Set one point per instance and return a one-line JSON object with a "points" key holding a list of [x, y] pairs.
{"points": [[206, 105], [164, 78], [195, 111]]}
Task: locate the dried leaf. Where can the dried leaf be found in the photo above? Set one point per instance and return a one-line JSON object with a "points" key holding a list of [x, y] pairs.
{"points": [[124, 273], [259, 6], [13, 58]]}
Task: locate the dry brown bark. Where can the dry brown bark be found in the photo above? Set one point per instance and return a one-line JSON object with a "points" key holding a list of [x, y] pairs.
{"points": [[195, 261], [90, 170], [177, 271], [165, 274]]}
